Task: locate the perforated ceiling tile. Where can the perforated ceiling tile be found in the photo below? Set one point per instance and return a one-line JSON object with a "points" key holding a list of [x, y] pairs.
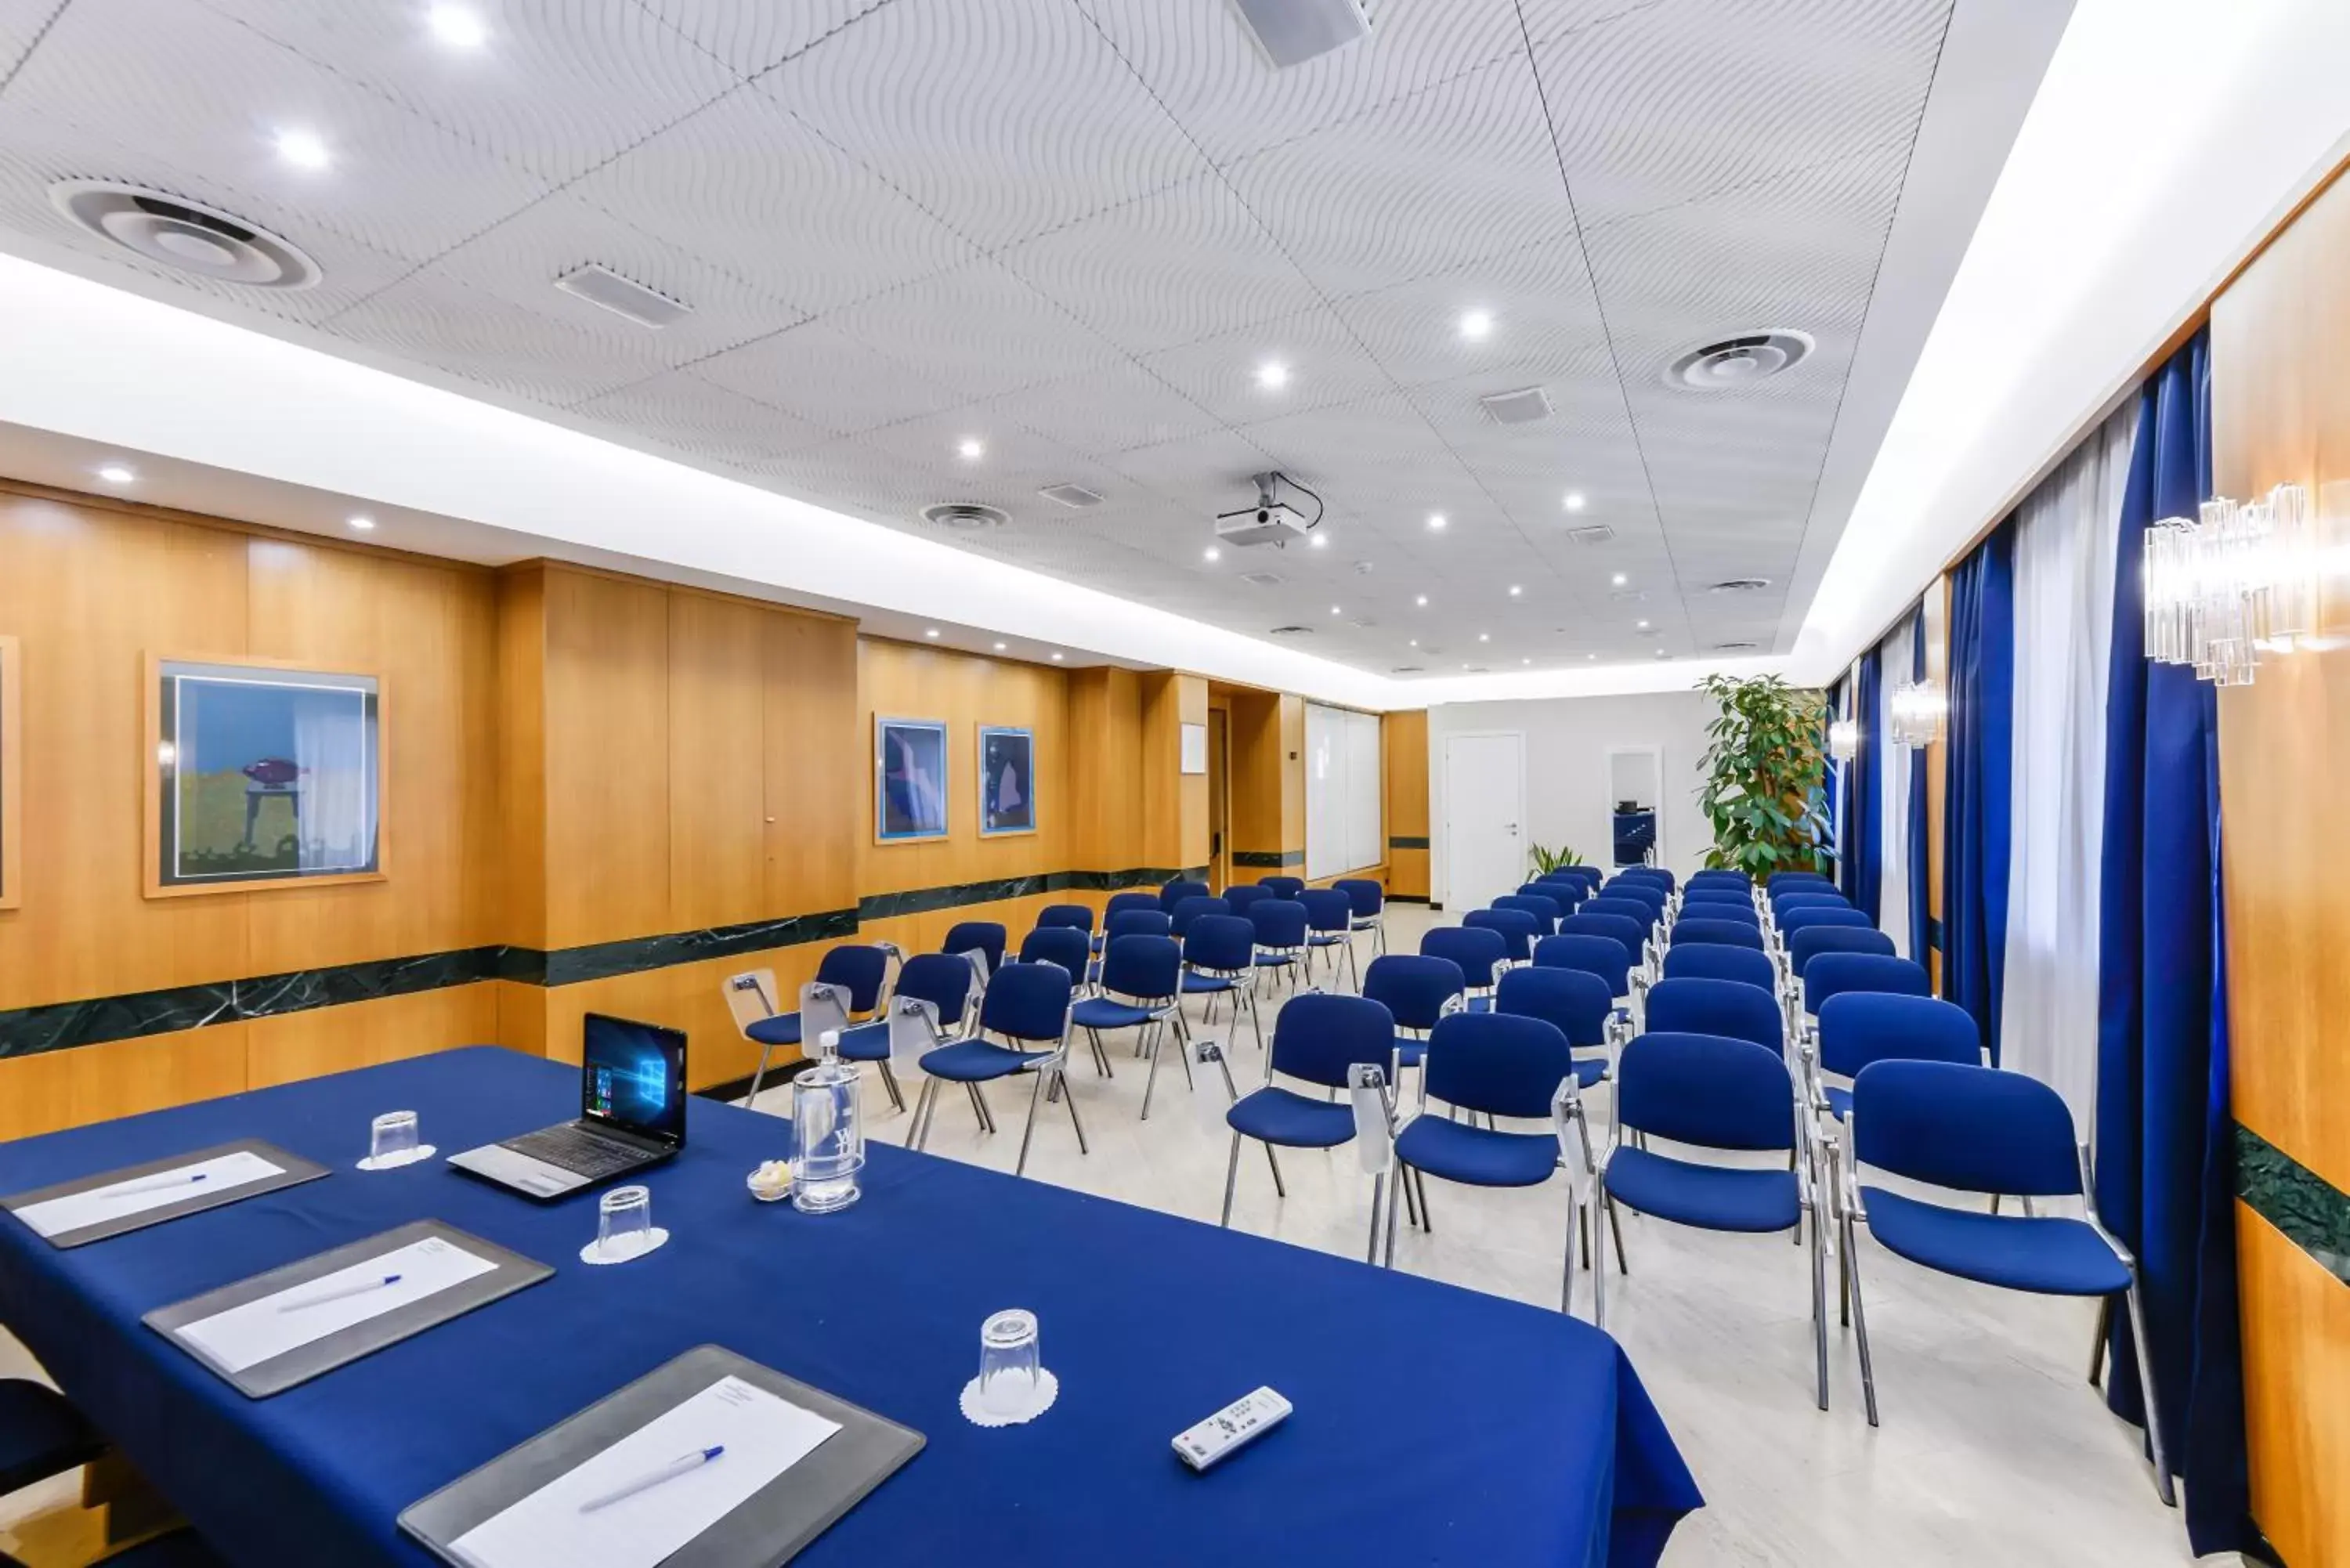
{"points": [[690, 416], [477, 337], [556, 86], [1104, 412], [21, 22], [1005, 119], [818, 373], [1319, 361], [1481, 318], [214, 96], [749, 35], [1209, 472], [977, 330]]}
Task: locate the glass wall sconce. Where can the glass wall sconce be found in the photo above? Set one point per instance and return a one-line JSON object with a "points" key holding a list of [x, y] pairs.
{"points": [[2237, 581]]}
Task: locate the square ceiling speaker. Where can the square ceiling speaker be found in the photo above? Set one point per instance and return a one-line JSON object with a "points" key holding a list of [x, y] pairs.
{"points": [[1292, 32], [1523, 407]]}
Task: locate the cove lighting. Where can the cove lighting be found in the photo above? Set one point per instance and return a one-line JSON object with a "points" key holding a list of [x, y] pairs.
{"points": [[931, 632], [363, 524], [302, 149], [117, 473]]}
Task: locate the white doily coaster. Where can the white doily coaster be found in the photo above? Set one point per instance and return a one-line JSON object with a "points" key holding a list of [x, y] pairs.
{"points": [[1048, 1388], [394, 1161], [653, 1239]]}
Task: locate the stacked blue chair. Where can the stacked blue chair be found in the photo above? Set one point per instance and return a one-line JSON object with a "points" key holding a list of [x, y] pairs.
{"points": [[1370, 901], [1219, 960], [1141, 989], [1480, 953], [1175, 892], [1979, 1129], [1245, 897], [1280, 925], [1316, 1038], [1603, 956], [1026, 1004], [1283, 886], [1418, 991], [986, 938], [1519, 931], [1858, 1027], [1545, 912], [1329, 930]]}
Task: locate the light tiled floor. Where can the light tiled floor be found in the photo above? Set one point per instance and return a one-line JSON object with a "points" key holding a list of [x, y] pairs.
{"points": [[1995, 1449]]}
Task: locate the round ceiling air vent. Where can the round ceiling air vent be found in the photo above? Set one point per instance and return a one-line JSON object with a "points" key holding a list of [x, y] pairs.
{"points": [[1739, 586], [184, 235], [1291, 631], [965, 516], [1408, 669], [1735, 362], [1736, 647]]}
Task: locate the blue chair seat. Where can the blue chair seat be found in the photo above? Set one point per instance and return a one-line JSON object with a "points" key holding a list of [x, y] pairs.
{"points": [[1589, 1070], [2053, 1257], [1481, 1157], [41, 1434], [977, 1062], [1480, 1004], [1325, 939], [1274, 960], [1275, 1115], [783, 1029], [865, 1043], [1839, 1102], [1194, 982], [1409, 1050], [1101, 1012], [1715, 1197]]}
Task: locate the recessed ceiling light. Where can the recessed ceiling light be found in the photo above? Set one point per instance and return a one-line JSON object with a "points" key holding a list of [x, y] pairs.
{"points": [[1573, 502], [1334, 610], [1477, 325], [1273, 375], [457, 28], [1436, 521], [1663, 653], [1525, 661], [1590, 656], [302, 149], [365, 524], [1484, 636], [1619, 579], [1515, 590], [1057, 656], [1414, 643], [1319, 539], [1211, 554], [117, 473], [934, 631], [1421, 601], [971, 449], [1644, 626], [999, 647]]}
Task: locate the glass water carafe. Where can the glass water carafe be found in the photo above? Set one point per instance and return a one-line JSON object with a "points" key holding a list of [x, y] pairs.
{"points": [[828, 1135]]}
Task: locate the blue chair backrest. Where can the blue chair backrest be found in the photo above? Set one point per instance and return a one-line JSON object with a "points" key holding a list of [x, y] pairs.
{"points": [[1589, 876], [1741, 911], [1603, 956], [1731, 1008], [1283, 886], [1413, 988], [1977, 1129], [987, 936], [1712, 960], [1656, 873], [1119, 903], [1799, 879], [1568, 877], [1326, 909], [1705, 1089], [1147, 923], [1545, 912], [1637, 910], [1631, 934], [1279, 922], [1148, 968], [1576, 1002], [1246, 896], [1507, 1064], [1858, 1027], [942, 979], [1721, 877], [1648, 894], [1808, 899], [1028, 1002], [1317, 1036], [1063, 945], [859, 969], [1223, 942], [1699, 929], [1175, 892], [1716, 893], [1079, 916], [1517, 929], [1803, 915], [1563, 896], [1813, 940], [1195, 908], [1366, 896], [1478, 952], [1832, 974]]}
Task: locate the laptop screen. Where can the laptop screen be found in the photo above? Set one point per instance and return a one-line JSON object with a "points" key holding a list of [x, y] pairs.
{"points": [[632, 1077]]}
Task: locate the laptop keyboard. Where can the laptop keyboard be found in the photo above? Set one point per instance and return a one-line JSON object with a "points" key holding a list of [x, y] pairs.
{"points": [[580, 1152]]}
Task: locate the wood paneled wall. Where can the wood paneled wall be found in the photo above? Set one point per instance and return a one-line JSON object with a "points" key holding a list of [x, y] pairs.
{"points": [[2281, 413], [1403, 740], [1268, 774]]}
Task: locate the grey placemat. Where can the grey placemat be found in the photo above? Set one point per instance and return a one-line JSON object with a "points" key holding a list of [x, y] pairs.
{"points": [[294, 1170]]}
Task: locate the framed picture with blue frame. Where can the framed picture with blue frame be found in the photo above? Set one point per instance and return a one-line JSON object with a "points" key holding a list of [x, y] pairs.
{"points": [[1007, 781], [909, 779]]}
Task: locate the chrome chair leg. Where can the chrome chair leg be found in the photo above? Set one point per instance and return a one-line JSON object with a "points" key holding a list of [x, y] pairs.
{"points": [[1371, 1247], [890, 1082], [1860, 1319], [1279, 1190], [1566, 1281], [1819, 1299], [2145, 1391], [1616, 1227], [1150, 1080], [1403, 1186], [1232, 1181], [758, 1075], [1070, 1100], [920, 1133], [1410, 1203], [979, 1109], [1427, 1219], [1182, 1050], [2097, 1345], [1599, 1263], [1028, 1133]]}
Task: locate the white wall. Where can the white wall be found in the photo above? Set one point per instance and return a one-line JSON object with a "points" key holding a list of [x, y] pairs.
{"points": [[1566, 743]]}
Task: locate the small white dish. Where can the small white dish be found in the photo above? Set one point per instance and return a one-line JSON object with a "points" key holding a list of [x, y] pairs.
{"points": [[395, 1162], [593, 1251], [1048, 1388]]}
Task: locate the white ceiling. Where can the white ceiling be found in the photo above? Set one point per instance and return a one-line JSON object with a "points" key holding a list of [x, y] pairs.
{"points": [[1073, 229]]}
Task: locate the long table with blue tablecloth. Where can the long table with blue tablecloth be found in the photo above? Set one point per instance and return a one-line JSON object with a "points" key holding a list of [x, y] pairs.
{"points": [[1432, 1423]]}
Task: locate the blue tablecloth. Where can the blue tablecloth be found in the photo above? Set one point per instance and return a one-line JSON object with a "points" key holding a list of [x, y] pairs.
{"points": [[1432, 1423]]}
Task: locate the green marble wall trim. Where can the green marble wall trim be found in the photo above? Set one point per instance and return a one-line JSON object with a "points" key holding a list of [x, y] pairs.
{"points": [[2309, 1209], [1268, 859], [1403, 841]]}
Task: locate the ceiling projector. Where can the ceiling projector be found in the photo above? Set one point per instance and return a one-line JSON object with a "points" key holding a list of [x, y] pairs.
{"points": [[1273, 520]]}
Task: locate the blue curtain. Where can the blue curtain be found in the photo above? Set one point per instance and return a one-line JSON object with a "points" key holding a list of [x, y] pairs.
{"points": [[1977, 806], [1836, 804], [1920, 918], [1864, 833], [2165, 1165]]}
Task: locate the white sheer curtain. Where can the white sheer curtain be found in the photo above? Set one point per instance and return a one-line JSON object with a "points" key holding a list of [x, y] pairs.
{"points": [[1894, 658], [330, 747], [2065, 537]]}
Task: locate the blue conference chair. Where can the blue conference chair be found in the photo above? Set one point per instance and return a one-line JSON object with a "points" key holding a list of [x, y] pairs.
{"points": [[1141, 989], [1132, 923], [41, 1435], [1080, 916], [1545, 912], [1728, 1008], [1831, 974], [1579, 1003], [1656, 874], [1793, 880], [1789, 921], [1648, 894], [1694, 930], [1418, 991], [1721, 875], [1480, 953], [1977, 1129], [1175, 892], [1709, 1092], [1370, 901], [1551, 893], [1180, 918], [1063, 945], [1602, 956], [1246, 895], [1025, 1004], [1578, 889], [1814, 940], [1499, 1065], [1806, 899], [942, 981], [1858, 1027], [1631, 934], [1283, 886], [1609, 902], [1712, 960], [1219, 960], [1329, 930], [984, 937], [1318, 1038], [1719, 906], [1132, 898], [1518, 932], [1280, 928], [858, 969]]}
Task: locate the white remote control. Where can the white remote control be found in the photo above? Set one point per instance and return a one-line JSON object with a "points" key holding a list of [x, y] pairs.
{"points": [[1235, 1425]]}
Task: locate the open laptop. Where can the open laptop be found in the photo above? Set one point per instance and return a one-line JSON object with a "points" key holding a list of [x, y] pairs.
{"points": [[632, 1114]]}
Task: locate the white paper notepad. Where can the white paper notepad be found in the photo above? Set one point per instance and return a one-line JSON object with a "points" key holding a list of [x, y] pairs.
{"points": [[262, 1330], [137, 1194], [763, 1436]]}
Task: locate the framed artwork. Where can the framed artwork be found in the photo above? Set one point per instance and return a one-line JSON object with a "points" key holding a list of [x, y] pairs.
{"points": [[261, 774], [12, 775], [1007, 781], [910, 778], [1195, 748]]}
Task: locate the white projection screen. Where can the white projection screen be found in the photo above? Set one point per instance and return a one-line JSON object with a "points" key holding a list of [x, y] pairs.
{"points": [[1343, 831]]}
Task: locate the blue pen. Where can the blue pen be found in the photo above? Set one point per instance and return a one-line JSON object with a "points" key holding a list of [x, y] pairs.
{"points": [[340, 1293], [154, 1184], [677, 1467]]}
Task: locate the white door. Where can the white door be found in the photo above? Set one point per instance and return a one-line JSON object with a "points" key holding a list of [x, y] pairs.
{"points": [[1484, 819]]}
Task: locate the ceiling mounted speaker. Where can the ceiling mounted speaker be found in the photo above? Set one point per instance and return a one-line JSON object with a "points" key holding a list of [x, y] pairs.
{"points": [[964, 516], [1075, 496], [623, 296], [1740, 361], [186, 237], [1592, 533], [1261, 579], [1523, 407], [1292, 32]]}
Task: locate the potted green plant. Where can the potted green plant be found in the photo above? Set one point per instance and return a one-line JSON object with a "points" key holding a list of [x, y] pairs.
{"points": [[1765, 789], [1553, 859]]}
